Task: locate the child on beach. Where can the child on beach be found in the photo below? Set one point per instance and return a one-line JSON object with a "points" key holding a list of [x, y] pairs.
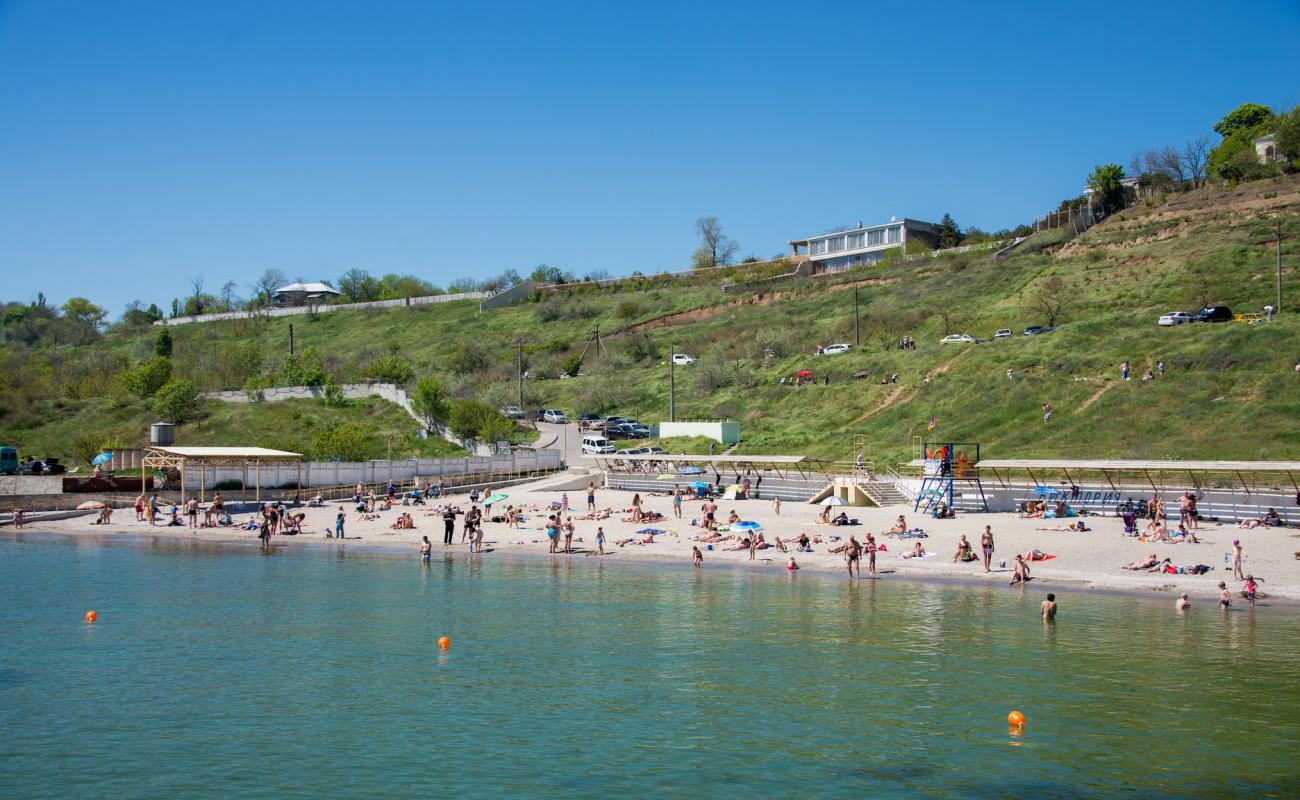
{"points": [[1236, 559], [1251, 589], [1021, 573], [600, 540], [425, 549], [1224, 597], [871, 553], [697, 558], [791, 565], [476, 546]]}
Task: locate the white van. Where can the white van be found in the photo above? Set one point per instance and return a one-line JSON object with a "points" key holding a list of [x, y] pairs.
{"points": [[596, 445]]}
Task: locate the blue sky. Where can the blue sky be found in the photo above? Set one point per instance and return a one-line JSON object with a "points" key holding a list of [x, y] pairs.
{"points": [[145, 143]]}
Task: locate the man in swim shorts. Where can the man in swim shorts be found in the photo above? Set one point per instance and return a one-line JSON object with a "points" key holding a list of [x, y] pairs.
{"points": [[852, 554]]}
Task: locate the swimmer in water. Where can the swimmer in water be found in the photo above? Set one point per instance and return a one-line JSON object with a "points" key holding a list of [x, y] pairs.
{"points": [[1183, 603], [1224, 600], [1048, 608], [791, 565], [425, 549]]}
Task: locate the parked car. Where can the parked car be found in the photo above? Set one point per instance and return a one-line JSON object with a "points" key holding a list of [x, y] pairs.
{"points": [[1175, 318], [1002, 333], [1034, 330], [628, 451], [836, 349], [957, 338], [1213, 314], [658, 451], [615, 421], [638, 431], [596, 445], [681, 359], [513, 412], [535, 415], [554, 415]]}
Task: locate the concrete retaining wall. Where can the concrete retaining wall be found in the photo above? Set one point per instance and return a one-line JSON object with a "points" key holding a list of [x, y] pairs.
{"points": [[726, 432], [297, 310], [31, 484]]}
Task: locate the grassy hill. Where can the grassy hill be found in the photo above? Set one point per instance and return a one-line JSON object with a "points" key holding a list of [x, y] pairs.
{"points": [[1230, 390]]}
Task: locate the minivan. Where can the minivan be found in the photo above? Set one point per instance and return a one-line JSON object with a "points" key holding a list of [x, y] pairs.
{"points": [[596, 445], [8, 461]]}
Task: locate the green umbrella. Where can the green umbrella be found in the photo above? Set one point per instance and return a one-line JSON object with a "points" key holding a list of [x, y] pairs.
{"points": [[499, 496]]}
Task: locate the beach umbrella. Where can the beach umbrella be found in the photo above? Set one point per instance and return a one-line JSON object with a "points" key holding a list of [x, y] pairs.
{"points": [[698, 485], [691, 471], [90, 505], [835, 501], [102, 458], [649, 532], [495, 498], [746, 525]]}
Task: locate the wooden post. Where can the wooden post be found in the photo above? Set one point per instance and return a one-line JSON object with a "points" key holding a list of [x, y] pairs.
{"points": [[182, 472], [257, 470]]}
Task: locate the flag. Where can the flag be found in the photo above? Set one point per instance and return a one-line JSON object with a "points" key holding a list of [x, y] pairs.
{"points": [[933, 422]]}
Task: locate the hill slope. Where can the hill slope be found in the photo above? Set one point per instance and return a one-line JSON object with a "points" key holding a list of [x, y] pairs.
{"points": [[1230, 390]]}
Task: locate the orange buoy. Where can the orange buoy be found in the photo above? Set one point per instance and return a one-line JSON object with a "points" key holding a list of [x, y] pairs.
{"points": [[444, 643], [1016, 720], [91, 616]]}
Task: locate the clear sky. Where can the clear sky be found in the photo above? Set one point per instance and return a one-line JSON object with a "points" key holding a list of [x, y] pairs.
{"points": [[142, 143]]}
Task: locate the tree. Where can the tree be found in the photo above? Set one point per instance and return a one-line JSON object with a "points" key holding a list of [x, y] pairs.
{"points": [[357, 286], [138, 316], [147, 378], [197, 302], [81, 310], [162, 345], [429, 401], [1051, 298], [265, 285], [471, 419], [949, 232], [544, 273], [716, 248], [1288, 134], [230, 296], [176, 401], [1105, 183], [350, 441], [303, 369], [1246, 116], [89, 444], [1194, 156]]}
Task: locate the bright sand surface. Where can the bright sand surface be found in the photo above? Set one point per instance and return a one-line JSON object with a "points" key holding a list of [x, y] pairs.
{"points": [[1091, 559]]}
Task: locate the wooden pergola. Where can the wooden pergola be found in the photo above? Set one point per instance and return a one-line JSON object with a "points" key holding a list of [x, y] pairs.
{"points": [[667, 464], [1158, 475], [187, 458]]}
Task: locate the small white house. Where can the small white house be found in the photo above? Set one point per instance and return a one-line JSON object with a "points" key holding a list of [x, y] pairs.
{"points": [[1266, 149], [303, 294]]}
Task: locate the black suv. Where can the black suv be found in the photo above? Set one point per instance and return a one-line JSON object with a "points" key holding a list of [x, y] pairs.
{"points": [[1213, 314]]}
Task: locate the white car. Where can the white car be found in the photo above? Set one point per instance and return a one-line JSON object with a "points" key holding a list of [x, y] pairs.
{"points": [[957, 338], [681, 359], [513, 412], [552, 415], [1175, 318], [836, 349], [1002, 333]]}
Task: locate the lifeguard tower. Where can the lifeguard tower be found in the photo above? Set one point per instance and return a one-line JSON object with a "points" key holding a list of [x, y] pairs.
{"points": [[943, 465]]}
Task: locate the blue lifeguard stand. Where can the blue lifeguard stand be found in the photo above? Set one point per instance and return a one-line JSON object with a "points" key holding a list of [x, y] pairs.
{"points": [[943, 464]]}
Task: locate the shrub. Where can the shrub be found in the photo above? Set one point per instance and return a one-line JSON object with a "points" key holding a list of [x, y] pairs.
{"points": [[389, 369], [177, 401], [628, 309], [146, 379], [548, 312], [305, 369], [471, 419], [572, 365], [429, 400], [349, 441]]}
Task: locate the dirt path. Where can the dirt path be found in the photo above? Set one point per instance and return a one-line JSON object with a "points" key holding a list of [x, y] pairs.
{"points": [[896, 395], [1095, 397]]}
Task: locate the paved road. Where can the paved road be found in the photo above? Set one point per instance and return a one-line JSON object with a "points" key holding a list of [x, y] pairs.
{"points": [[567, 439]]}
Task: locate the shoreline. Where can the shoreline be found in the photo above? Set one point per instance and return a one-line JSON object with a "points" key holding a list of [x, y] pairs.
{"points": [[1086, 561]]}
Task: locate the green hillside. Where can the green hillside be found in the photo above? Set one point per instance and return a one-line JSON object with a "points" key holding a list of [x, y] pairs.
{"points": [[1230, 390]]}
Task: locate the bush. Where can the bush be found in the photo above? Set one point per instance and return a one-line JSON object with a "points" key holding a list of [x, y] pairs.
{"points": [[429, 400], [548, 312], [146, 379], [628, 309], [572, 365], [390, 369], [305, 369], [177, 401], [349, 441]]}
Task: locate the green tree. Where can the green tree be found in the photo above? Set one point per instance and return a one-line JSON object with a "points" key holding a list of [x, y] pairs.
{"points": [[949, 232], [429, 400], [84, 312], [1288, 134], [162, 345], [349, 441], [357, 286], [177, 401], [1247, 116], [147, 378], [397, 287], [89, 444], [303, 369], [391, 368], [716, 248], [1105, 183], [471, 419]]}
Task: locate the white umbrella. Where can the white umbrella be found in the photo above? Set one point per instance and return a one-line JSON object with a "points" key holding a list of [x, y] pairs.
{"points": [[835, 501]]}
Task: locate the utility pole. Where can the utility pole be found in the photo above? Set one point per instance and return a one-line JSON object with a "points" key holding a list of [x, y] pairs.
{"points": [[672, 384], [290, 338], [1279, 266], [521, 373], [857, 334]]}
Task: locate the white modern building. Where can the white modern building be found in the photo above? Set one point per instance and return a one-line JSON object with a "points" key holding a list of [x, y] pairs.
{"points": [[841, 250]]}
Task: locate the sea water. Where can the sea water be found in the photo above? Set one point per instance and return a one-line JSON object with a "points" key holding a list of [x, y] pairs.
{"points": [[216, 670]]}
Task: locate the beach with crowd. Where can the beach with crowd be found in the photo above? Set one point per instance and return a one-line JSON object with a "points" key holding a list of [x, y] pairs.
{"points": [[1209, 562]]}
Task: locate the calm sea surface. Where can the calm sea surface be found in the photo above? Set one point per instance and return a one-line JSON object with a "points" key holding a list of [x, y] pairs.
{"points": [[216, 671]]}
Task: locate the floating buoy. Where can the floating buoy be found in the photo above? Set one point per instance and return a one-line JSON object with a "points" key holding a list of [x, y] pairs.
{"points": [[444, 643], [1016, 720], [91, 616]]}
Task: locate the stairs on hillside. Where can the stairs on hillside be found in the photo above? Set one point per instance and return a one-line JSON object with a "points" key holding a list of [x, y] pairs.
{"points": [[885, 493]]}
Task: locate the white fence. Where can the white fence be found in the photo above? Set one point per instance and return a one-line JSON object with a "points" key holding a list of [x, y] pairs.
{"points": [[325, 309], [388, 391], [342, 473]]}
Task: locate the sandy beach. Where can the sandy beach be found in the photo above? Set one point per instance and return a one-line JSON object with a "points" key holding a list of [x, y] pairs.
{"points": [[1087, 560]]}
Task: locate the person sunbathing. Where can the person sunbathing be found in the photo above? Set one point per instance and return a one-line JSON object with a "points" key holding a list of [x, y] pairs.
{"points": [[733, 517], [743, 544], [916, 552], [1036, 555], [825, 516], [1159, 566], [964, 552], [1184, 535], [1146, 563], [712, 537], [1268, 520], [1155, 532], [842, 519], [1073, 526], [316, 502], [900, 525]]}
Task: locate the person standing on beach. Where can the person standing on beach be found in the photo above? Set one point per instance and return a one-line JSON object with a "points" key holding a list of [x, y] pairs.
{"points": [[1224, 596], [1236, 559], [477, 544], [448, 525], [852, 556], [339, 519], [153, 509], [426, 549], [870, 547], [471, 519], [264, 533], [600, 540], [1048, 608], [139, 508], [568, 535], [192, 512], [552, 533], [776, 506], [697, 558], [677, 500], [591, 496], [986, 544]]}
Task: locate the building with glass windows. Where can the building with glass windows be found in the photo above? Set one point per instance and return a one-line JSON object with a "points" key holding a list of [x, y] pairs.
{"points": [[841, 250]]}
